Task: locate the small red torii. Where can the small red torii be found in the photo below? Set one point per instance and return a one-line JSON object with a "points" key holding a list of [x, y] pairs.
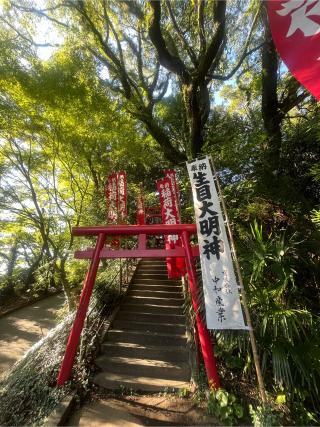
{"points": [[99, 252]]}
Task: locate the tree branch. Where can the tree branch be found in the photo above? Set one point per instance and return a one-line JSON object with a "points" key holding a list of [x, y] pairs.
{"points": [[244, 53], [202, 36], [27, 39], [106, 48], [292, 100], [236, 68], [181, 36], [172, 63], [41, 12], [134, 8], [217, 40]]}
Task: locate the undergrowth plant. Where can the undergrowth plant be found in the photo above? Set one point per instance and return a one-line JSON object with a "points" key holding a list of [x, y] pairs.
{"points": [[263, 416], [28, 392], [285, 325], [224, 405]]}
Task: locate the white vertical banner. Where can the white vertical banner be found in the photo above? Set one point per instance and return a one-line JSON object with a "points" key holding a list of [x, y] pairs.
{"points": [[222, 301]]}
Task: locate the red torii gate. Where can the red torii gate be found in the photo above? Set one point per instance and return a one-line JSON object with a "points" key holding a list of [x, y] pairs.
{"points": [[99, 252]]}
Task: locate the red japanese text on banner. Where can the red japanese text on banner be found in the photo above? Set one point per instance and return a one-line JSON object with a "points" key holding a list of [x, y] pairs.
{"points": [[112, 198], [122, 194], [168, 206], [172, 175], [222, 302], [295, 28], [179, 268]]}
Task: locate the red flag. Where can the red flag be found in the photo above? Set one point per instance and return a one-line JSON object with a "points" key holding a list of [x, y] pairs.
{"points": [[116, 195], [112, 198], [168, 205], [171, 174], [295, 28], [169, 216], [122, 195], [140, 209]]}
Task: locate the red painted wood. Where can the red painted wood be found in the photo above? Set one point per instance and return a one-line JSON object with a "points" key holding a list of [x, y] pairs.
{"points": [[137, 253], [187, 251], [142, 241], [203, 333], [131, 230], [73, 340]]}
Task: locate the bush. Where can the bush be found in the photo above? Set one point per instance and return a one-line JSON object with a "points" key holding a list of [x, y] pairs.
{"points": [[29, 387], [263, 416], [224, 405]]}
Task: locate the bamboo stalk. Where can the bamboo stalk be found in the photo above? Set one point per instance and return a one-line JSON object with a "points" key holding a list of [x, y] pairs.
{"points": [[256, 360]]}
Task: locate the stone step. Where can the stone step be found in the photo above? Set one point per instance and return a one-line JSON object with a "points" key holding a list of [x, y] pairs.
{"points": [[177, 302], [165, 353], [146, 338], [155, 268], [152, 287], [151, 317], [156, 262], [146, 347], [152, 267], [151, 275], [151, 308], [165, 328], [115, 381], [154, 281], [153, 293], [144, 367]]}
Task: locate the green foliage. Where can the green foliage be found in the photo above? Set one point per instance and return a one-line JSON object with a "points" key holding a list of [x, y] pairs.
{"points": [[61, 136], [30, 386], [263, 416], [315, 217], [286, 328], [67, 122], [224, 406], [302, 415], [184, 393]]}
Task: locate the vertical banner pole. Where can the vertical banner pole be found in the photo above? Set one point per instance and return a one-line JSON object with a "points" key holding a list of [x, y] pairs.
{"points": [[73, 340], [204, 336], [243, 292]]}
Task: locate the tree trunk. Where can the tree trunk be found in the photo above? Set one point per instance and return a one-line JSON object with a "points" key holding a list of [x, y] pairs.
{"points": [[30, 279], [12, 259], [197, 107], [271, 113], [155, 130], [66, 285]]}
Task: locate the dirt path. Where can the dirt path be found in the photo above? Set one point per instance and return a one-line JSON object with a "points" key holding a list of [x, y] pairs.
{"points": [[22, 328], [138, 410]]}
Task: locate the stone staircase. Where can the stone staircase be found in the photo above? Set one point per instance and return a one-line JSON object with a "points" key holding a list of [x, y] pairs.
{"points": [[146, 346]]}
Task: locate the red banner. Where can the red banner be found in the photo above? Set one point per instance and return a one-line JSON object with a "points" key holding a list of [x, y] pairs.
{"points": [[112, 198], [295, 28], [140, 209], [116, 195], [122, 195], [169, 211], [168, 206], [179, 262], [171, 174]]}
